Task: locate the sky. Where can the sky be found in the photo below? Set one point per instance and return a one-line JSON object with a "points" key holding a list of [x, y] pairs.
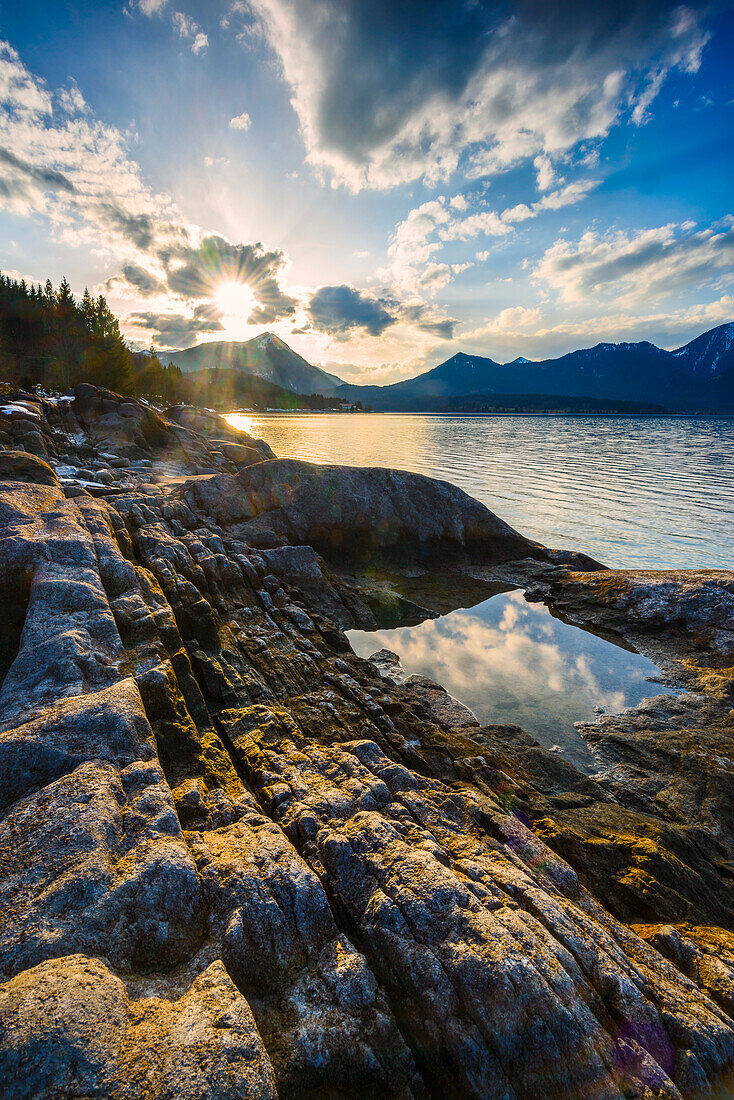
{"points": [[381, 184]]}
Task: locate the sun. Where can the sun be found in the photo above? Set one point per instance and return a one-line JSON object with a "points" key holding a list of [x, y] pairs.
{"points": [[235, 300]]}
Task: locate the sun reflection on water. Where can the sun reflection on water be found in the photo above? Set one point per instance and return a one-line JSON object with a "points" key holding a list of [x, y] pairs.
{"points": [[241, 422]]}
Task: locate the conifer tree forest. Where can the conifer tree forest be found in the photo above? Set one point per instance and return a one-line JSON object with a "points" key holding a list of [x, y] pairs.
{"points": [[49, 339]]}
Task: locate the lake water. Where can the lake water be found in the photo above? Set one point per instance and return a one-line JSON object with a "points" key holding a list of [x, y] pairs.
{"points": [[632, 491], [512, 663]]}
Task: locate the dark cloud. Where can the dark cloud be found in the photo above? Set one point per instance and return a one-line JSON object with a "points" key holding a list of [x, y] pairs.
{"points": [[18, 173], [340, 309], [424, 80], [139, 229], [173, 330], [141, 279], [424, 318], [443, 329], [197, 272]]}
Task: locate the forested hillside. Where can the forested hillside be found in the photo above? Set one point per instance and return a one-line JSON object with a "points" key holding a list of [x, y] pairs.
{"points": [[48, 339]]}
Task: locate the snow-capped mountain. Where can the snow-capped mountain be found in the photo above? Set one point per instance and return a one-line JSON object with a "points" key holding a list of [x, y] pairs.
{"points": [[699, 375]]}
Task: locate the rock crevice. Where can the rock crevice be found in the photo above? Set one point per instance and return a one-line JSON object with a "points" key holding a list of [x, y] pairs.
{"points": [[237, 861]]}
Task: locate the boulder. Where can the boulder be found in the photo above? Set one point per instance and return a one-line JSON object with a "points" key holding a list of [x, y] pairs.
{"points": [[69, 1027], [239, 453], [216, 427], [22, 466], [355, 513]]}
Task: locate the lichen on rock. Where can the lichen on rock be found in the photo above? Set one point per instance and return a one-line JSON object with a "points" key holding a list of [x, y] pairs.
{"points": [[236, 860]]}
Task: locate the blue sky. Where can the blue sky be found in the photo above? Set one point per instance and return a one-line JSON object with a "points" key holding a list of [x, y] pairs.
{"points": [[381, 184]]}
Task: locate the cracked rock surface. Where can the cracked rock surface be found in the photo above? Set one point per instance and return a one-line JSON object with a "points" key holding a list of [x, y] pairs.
{"points": [[235, 861]]}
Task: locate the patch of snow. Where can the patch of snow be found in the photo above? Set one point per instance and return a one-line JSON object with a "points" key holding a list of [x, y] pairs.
{"points": [[16, 406]]}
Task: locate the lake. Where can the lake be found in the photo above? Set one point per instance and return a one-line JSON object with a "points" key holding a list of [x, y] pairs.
{"points": [[633, 491]]}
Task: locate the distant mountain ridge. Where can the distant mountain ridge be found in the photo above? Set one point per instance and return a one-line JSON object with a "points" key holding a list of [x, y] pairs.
{"points": [[696, 377], [266, 356]]}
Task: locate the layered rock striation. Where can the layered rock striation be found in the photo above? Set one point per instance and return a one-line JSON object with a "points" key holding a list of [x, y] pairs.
{"points": [[236, 861]]}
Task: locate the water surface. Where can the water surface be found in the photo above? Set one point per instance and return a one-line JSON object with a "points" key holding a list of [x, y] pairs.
{"points": [[632, 491], [512, 663]]}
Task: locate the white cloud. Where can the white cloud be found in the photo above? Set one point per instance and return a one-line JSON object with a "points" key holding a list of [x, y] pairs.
{"points": [[71, 100], [514, 319], [188, 28], [240, 122], [151, 7], [652, 263], [385, 95], [546, 172], [77, 173], [437, 222]]}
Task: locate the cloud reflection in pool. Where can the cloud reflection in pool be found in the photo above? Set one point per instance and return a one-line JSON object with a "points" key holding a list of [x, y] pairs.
{"points": [[512, 662]]}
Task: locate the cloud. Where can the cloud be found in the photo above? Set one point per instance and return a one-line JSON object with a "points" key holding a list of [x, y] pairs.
{"points": [[512, 320], [388, 93], [240, 122], [77, 172], [197, 272], [652, 263], [151, 7], [62, 163], [428, 227], [71, 100], [188, 28], [174, 330], [546, 172], [142, 280], [339, 310], [22, 185]]}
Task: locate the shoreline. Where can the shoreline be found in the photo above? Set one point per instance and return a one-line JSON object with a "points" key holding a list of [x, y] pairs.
{"points": [[212, 809]]}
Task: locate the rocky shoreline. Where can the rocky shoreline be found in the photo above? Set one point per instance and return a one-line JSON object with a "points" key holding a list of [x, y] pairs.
{"points": [[240, 861]]}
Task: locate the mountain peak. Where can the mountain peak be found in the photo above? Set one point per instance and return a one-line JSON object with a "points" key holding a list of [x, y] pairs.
{"points": [[266, 356], [266, 338]]}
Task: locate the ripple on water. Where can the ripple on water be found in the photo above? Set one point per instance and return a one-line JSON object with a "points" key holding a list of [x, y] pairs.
{"points": [[651, 492]]}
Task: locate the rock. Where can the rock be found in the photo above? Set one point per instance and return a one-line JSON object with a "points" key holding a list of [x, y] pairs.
{"points": [[704, 954], [70, 1027], [236, 861], [217, 427], [239, 453], [355, 513], [21, 466]]}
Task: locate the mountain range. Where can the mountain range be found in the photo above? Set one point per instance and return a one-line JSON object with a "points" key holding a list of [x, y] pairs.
{"points": [[631, 376]]}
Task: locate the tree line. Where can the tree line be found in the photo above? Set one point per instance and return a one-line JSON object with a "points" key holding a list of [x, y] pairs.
{"points": [[49, 339]]}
